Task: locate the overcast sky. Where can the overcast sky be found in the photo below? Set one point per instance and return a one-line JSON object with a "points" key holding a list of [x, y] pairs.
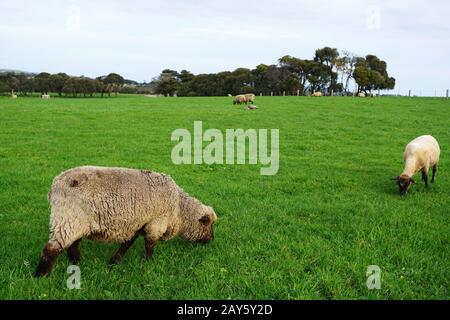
{"points": [[140, 38]]}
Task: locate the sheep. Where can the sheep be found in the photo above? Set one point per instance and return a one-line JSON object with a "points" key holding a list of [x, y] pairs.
{"points": [[251, 107], [361, 94], [14, 96], [117, 205], [249, 97], [420, 154], [316, 94], [239, 99], [45, 96]]}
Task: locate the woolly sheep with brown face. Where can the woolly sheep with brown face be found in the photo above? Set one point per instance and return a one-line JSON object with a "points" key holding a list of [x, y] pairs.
{"points": [[117, 205]]}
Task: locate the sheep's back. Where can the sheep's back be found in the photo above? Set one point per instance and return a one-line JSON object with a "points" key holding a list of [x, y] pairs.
{"points": [[115, 202], [425, 149]]}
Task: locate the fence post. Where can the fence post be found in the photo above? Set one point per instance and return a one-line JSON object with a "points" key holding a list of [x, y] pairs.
{"points": [[446, 95], [271, 93], [298, 93], [409, 93]]}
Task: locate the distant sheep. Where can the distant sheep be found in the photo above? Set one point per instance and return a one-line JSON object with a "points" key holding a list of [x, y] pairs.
{"points": [[45, 96], [251, 107], [14, 96], [249, 97], [317, 94], [361, 94], [239, 99], [118, 205], [420, 154]]}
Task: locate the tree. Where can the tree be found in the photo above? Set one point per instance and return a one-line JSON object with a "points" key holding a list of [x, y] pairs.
{"points": [[42, 81], [57, 82], [112, 82], [319, 76], [27, 85], [71, 87], [329, 57], [240, 81], [259, 76], [9, 82], [346, 66], [167, 82], [371, 74], [185, 76]]}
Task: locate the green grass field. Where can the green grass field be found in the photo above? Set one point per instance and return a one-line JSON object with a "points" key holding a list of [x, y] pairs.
{"points": [[309, 232]]}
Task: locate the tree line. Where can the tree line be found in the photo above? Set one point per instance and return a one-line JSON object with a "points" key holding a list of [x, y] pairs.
{"points": [[60, 83], [329, 71]]}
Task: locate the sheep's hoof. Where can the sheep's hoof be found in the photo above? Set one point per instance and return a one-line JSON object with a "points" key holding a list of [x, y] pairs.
{"points": [[42, 272], [148, 258], [39, 274], [43, 269], [75, 261]]}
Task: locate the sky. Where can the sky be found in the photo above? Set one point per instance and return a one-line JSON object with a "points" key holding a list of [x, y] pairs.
{"points": [[138, 38]]}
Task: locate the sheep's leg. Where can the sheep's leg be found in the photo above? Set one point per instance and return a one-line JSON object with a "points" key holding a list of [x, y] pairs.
{"points": [[63, 233], [425, 176], [149, 245], [122, 250], [74, 252], [434, 173], [152, 233], [48, 258]]}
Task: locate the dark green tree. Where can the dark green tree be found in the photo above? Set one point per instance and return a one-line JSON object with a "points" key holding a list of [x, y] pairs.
{"points": [[43, 83], [371, 74]]}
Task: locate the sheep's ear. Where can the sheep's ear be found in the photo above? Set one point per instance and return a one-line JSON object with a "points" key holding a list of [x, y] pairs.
{"points": [[204, 220]]}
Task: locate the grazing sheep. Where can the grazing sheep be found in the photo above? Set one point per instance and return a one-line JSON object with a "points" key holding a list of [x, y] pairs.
{"points": [[249, 97], [239, 99], [361, 94], [251, 107], [45, 96], [118, 205], [316, 94], [420, 154]]}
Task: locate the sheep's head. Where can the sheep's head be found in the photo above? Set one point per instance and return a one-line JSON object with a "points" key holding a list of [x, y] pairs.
{"points": [[404, 182], [198, 222]]}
